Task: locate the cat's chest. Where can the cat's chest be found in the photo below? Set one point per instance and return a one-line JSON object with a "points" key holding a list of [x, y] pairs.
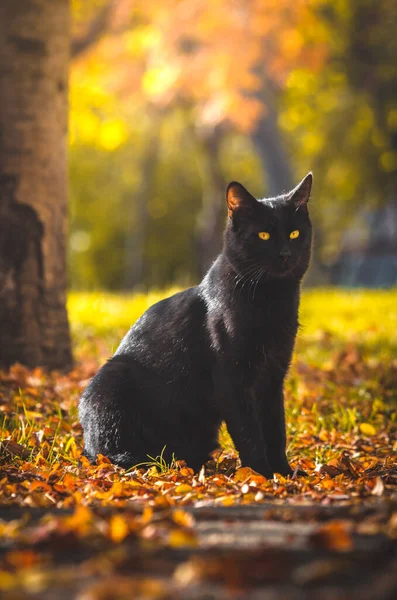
{"points": [[262, 320], [255, 333]]}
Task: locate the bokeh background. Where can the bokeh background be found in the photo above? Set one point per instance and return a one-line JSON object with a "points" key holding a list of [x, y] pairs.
{"points": [[172, 99]]}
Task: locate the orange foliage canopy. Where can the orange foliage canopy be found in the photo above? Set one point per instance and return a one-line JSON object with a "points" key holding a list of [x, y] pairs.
{"points": [[217, 56]]}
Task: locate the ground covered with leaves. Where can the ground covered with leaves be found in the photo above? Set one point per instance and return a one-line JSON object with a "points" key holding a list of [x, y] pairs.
{"points": [[71, 529]]}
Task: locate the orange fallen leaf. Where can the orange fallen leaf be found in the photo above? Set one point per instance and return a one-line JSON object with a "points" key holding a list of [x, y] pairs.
{"points": [[246, 474], [335, 535], [22, 559], [34, 485], [118, 528]]}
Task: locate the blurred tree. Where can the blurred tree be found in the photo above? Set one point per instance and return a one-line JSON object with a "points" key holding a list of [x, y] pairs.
{"points": [[136, 237], [226, 61], [371, 67], [211, 217], [34, 50], [93, 22], [230, 60], [343, 120]]}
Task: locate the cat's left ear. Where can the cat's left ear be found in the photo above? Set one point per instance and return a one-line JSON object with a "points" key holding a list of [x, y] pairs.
{"points": [[237, 197], [301, 193]]}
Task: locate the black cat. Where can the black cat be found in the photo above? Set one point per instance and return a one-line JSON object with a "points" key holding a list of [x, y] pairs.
{"points": [[215, 352]]}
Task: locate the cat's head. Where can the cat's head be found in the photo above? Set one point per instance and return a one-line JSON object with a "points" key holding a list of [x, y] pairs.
{"points": [[274, 233]]}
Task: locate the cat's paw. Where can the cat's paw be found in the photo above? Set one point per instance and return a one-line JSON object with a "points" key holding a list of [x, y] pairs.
{"points": [[283, 469]]}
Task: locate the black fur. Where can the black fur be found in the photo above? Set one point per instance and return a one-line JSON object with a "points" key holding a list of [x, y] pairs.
{"points": [[217, 351]]}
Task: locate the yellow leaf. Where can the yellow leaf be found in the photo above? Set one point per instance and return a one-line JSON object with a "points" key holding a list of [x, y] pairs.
{"points": [[118, 528], [8, 580], [183, 518], [367, 429], [328, 484], [31, 414], [147, 515], [228, 501], [81, 518], [184, 488], [180, 537], [116, 489]]}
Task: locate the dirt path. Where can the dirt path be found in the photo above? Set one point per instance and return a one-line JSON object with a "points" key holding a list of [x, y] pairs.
{"points": [[271, 551]]}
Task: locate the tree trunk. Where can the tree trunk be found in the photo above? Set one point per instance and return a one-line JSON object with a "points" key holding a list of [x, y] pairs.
{"points": [[211, 219], [266, 137], [138, 222], [34, 48]]}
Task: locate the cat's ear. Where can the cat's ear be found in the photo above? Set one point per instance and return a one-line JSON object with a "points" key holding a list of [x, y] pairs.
{"points": [[301, 193], [238, 197]]}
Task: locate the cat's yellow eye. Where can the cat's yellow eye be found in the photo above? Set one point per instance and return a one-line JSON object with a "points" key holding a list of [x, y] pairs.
{"points": [[294, 234], [264, 235]]}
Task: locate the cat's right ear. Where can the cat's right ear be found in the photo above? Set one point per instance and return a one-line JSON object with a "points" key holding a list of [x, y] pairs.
{"points": [[301, 193], [238, 197]]}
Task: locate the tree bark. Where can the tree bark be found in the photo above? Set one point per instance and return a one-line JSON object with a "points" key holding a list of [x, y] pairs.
{"points": [[34, 51], [138, 222]]}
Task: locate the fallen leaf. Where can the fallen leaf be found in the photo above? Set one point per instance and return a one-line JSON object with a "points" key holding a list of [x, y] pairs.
{"points": [[118, 528], [334, 535], [367, 429], [378, 488], [179, 538], [184, 488], [14, 449], [183, 518]]}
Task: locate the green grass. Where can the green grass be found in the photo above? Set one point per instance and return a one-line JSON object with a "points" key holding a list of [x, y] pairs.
{"points": [[362, 315], [331, 318], [100, 319]]}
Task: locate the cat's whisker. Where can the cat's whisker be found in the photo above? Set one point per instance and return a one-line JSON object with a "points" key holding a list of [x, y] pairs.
{"points": [[257, 279], [245, 275], [250, 264], [252, 278], [249, 277], [252, 281], [261, 274]]}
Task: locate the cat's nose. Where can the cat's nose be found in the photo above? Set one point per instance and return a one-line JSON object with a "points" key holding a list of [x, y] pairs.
{"points": [[285, 255]]}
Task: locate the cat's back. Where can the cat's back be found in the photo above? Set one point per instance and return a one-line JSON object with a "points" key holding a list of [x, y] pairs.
{"points": [[162, 350], [175, 323]]}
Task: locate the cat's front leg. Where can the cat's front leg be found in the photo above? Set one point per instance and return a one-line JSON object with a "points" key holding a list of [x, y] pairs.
{"points": [[273, 427], [245, 430]]}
